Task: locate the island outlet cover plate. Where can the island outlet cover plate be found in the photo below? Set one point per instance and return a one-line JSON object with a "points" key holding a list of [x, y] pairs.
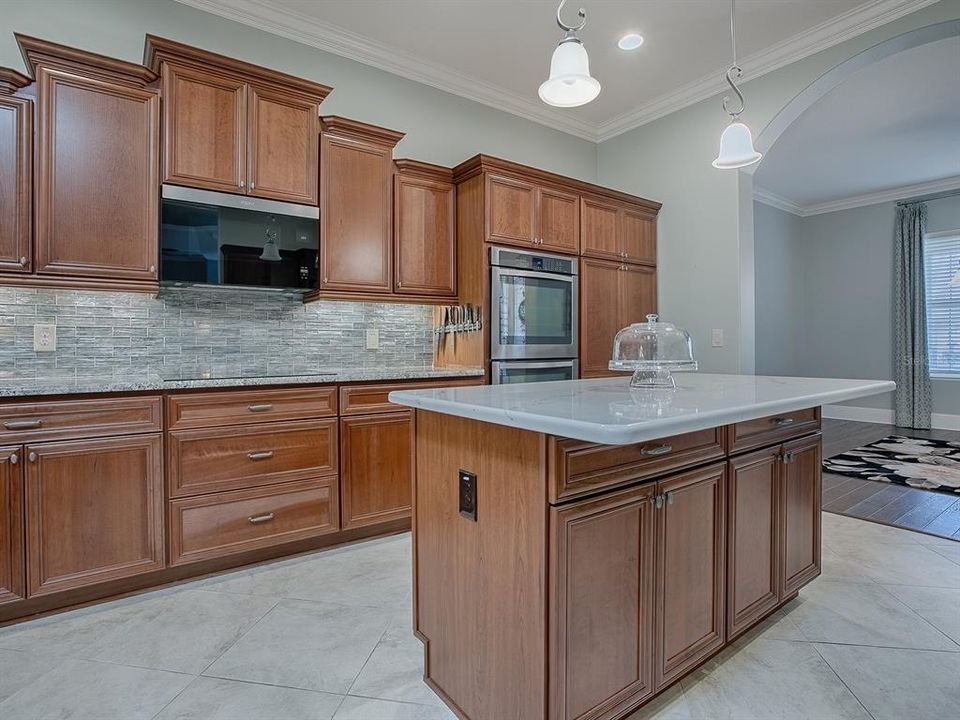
{"points": [[467, 493]]}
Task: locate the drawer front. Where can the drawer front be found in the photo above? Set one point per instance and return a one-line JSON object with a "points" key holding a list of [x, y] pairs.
{"points": [[369, 399], [579, 468], [212, 460], [248, 407], [773, 429], [225, 523], [75, 419]]}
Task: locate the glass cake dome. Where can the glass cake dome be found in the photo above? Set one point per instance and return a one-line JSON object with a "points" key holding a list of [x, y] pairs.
{"points": [[653, 351]]}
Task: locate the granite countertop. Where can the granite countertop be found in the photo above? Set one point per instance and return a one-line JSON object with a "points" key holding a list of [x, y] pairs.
{"points": [[610, 412], [109, 383]]}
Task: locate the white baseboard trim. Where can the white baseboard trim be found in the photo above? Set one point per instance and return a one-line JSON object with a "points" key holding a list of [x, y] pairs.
{"points": [[940, 421]]}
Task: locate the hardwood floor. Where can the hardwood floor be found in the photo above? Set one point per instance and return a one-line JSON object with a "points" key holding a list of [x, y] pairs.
{"points": [[921, 510]]}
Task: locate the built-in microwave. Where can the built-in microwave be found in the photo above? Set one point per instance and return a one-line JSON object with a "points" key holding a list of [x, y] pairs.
{"points": [[213, 238]]}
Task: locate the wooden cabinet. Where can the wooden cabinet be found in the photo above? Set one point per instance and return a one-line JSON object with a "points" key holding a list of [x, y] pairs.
{"points": [[527, 214], [612, 296], [16, 164], [602, 623], [97, 165], [235, 127], [424, 230], [356, 188], [94, 511], [376, 468], [12, 574], [800, 507], [690, 579], [618, 230]]}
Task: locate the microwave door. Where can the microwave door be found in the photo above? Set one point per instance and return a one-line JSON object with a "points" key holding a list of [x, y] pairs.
{"points": [[533, 315]]}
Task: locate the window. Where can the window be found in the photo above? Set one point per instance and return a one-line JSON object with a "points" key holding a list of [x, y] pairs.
{"points": [[941, 263]]}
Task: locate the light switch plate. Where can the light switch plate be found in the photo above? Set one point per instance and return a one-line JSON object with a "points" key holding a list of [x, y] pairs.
{"points": [[44, 338], [373, 339], [717, 337]]}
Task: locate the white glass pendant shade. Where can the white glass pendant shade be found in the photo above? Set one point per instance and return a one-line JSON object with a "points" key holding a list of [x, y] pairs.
{"points": [[569, 84], [736, 148], [271, 253]]}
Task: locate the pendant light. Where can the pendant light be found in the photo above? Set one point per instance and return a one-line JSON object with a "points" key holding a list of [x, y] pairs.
{"points": [[736, 142], [271, 253], [569, 84]]}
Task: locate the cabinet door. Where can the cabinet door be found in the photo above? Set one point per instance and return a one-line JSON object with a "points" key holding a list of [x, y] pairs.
{"points": [[800, 514], [94, 511], [283, 142], [753, 543], [355, 245], [601, 625], [11, 526], [638, 294], [97, 178], [16, 143], [511, 211], [205, 134], [600, 298], [599, 229], [425, 236], [638, 232], [376, 468], [558, 220], [690, 577]]}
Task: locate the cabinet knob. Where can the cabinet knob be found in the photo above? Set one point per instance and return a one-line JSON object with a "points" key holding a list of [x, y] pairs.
{"points": [[153, 268], [788, 457], [14, 459], [658, 502], [399, 283], [253, 186], [243, 184], [23, 262], [32, 457]]}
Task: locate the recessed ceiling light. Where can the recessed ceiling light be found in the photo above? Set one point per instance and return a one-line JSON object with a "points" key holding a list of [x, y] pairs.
{"points": [[630, 41]]}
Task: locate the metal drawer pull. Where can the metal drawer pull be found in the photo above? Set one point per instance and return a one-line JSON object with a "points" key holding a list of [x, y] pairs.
{"points": [[656, 450], [266, 455], [260, 408], [259, 519], [780, 422], [23, 424]]}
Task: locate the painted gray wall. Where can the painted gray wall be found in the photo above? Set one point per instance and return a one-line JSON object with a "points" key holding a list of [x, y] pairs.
{"points": [[841, 320]]}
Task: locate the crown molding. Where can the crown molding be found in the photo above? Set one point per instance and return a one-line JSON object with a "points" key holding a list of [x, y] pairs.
{"points": [[905, 192], [778, 201], [265, 15]]}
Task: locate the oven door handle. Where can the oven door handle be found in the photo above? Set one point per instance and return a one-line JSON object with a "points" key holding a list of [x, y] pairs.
{"points": [[511, 272], [512, 364]]}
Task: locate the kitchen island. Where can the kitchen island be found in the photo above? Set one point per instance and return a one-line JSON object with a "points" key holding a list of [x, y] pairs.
{"points": [[579, 546]]}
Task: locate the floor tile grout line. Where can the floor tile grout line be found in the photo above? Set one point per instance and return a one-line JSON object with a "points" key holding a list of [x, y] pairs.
{"points": [[365, 662], [174, 698], [240, 637], [843, 682]]}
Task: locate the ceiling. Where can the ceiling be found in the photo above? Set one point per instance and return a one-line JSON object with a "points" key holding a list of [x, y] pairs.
{"points": [[895, 123], [498, 51]]}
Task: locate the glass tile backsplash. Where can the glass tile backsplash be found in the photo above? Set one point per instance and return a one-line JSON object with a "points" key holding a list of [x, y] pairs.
{"points": [[188, 330]]}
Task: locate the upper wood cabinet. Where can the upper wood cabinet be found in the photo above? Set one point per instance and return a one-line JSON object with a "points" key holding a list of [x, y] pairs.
{"points": [[424, 230], [12, 577], [618, 230], [236, 127], [16, 163], [356, 192], [528, 214], [97, 165]]}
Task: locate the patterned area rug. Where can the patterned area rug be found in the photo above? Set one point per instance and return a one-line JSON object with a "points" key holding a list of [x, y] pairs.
{"points": [[919, 463]]}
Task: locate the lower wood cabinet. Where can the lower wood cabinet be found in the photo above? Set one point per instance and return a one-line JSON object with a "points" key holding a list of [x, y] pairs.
{"points": [[94, 511], [800, 506], [376, 467], [12, 579]]}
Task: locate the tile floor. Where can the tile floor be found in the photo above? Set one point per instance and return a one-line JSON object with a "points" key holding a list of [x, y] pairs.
{"points": [[328, 636]]}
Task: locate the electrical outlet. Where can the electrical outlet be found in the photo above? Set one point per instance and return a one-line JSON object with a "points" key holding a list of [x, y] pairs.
{"points": [[44, 338], [373, 339], [717, 337], [467, 494]]}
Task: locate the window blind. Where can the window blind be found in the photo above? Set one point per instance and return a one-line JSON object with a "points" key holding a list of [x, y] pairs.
{"points": [[941, 261]]}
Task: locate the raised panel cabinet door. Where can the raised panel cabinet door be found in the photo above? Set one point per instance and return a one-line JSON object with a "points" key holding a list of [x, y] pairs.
{"points": [[12, 575], [16, 143], [800, 514], [601, 625], [205, 129], [283, 146], [600, 299], [425, 236], [376, 470], [690, 579], [600, 229], [511, 211], [753, 543], [638, 294], [97, 178], [94, 511], [638, 232], [558, 220], [356, 251]]}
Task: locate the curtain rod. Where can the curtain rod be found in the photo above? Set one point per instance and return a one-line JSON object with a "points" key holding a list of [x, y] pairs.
{"points": [[934, 196]]}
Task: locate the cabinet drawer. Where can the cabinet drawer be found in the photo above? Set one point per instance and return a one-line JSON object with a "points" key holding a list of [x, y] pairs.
{"points": [[74, 419], [773, 429], [249, 406], [578, 468], [368, 399], [224, 523], [215, 459]]}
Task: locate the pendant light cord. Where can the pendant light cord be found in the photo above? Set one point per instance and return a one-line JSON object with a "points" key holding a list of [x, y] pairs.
{"points": [[734, 72]]}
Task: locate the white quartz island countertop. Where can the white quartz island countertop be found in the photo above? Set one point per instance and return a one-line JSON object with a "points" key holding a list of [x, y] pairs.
{"points": [[610, 412]]}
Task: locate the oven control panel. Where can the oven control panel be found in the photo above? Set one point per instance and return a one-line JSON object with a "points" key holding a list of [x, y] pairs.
{"points": [[520, 260]]}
